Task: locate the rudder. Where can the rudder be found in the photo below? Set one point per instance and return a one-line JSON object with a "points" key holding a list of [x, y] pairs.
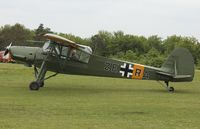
{"points": [[180, 64]]}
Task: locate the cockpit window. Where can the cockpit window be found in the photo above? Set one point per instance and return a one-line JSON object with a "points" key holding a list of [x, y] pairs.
{"points": [[64, 51], [84, 57], [46, 46], [79, 55], [82, 54]]}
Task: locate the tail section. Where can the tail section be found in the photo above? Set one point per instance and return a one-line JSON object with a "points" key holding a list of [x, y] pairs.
{"points": [[179, 65]]}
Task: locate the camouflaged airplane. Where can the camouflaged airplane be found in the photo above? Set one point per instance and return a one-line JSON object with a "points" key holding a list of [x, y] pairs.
{"points": [[61, 55]]}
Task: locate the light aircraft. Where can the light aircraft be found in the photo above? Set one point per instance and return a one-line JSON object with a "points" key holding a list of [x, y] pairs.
{"points": [[61, 55]]}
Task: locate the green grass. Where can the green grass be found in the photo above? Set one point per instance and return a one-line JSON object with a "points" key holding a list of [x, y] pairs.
{"points": [[81, 102]]}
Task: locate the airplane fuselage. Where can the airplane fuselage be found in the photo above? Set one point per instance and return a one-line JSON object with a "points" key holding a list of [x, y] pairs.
{"points": [[96, 65]]}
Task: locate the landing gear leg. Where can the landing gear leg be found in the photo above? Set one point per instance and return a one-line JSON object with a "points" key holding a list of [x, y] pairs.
{"points": [[40, 77], [170, 89], [36, 75], [35, 85]]}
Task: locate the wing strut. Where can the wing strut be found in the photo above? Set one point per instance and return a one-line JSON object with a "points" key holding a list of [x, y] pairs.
{"points": [[40, 75]]}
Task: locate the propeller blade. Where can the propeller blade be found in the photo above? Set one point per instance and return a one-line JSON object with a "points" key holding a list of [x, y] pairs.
{"points": [[7, 49], [6, 52], [10, 45]]}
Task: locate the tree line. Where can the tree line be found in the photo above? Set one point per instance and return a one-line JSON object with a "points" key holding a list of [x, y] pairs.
{"points": [[152, 50]]}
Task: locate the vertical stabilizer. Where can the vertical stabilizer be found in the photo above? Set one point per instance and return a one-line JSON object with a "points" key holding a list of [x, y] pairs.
{"points": [[180, 64]]}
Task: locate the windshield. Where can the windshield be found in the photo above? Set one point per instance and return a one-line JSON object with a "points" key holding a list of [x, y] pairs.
{"points": [[46, 45]]}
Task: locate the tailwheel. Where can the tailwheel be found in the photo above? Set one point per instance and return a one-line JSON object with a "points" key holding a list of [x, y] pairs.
{"points": [[170, 89], [34, 86]]}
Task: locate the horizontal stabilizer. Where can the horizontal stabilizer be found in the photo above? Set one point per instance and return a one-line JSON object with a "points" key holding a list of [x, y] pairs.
{"points": [[165, 74], [182, 76], [174, 76]]}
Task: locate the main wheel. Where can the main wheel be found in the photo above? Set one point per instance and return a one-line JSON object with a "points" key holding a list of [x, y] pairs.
{"points": [[34, 86], [41, 84], [171, 89]]}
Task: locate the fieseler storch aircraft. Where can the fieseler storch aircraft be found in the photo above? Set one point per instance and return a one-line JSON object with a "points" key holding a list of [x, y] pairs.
{"points": [[61, 55]]}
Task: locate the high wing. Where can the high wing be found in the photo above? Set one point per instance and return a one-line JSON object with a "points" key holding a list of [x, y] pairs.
{"points": [[61, 40], [66, 42]]}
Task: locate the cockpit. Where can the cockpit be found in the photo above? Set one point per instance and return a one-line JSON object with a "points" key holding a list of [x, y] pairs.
{"points": [[81, 53]]}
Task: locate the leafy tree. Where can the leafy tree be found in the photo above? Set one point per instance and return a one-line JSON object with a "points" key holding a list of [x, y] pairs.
{"points": [[155, 42], [41, 31], [122, 42], [76, 39], [171, 43], [190, 43], [150, 51], [100, 43], [127, 56], [17, 34], [154, 58]]}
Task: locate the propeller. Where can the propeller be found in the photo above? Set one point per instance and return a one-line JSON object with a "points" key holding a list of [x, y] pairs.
{"points": [[7, 49]]}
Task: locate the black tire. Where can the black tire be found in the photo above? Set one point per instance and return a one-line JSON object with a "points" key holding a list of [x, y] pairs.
{"points": [[34, 86], [171, 89], [42, 84]]}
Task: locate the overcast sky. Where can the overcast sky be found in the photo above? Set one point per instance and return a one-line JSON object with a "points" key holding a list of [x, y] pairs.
{"points": [[85, 18]]}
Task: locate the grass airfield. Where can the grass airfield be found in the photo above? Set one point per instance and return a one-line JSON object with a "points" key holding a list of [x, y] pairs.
{"points": [[81, 102]]}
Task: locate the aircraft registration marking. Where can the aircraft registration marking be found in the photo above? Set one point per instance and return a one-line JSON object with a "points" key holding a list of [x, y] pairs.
{"points": [[138, 71], [111, 67]]}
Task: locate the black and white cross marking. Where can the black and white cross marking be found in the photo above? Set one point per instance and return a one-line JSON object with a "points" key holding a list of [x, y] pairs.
{"points": [[126, 70]]}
